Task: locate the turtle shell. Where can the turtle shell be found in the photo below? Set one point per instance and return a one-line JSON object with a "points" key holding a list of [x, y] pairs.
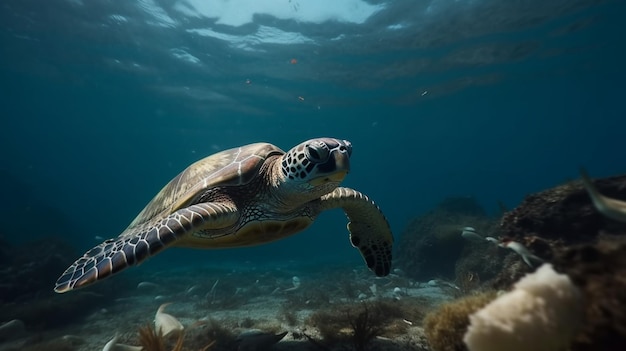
{"points": [[233, 167]]}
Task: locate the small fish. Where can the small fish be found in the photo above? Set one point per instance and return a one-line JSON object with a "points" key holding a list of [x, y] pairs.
{"points": [[527, 256], [469, 233], [611, 208], [493, 240]]}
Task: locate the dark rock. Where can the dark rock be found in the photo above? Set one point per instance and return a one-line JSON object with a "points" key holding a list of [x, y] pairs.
{"points": [[432, 243], [563, 213], [28, 277], [562, 226], [32, 268]]}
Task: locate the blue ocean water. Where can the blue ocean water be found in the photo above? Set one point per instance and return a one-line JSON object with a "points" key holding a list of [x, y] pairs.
{"points": [[102, 103]]}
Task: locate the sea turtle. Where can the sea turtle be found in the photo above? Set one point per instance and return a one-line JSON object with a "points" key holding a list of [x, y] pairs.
{"points": [[244, 196]]}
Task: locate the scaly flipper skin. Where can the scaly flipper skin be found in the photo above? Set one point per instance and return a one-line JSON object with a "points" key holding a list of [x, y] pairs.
{"points": [[130, 249], [368, 227]]}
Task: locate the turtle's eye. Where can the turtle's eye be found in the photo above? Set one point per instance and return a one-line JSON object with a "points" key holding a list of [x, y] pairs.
{"points": [[317, 152]]}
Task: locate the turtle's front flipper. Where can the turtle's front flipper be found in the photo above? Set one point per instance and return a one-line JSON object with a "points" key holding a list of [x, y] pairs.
{"points": [[132, 248], [369, 229]]}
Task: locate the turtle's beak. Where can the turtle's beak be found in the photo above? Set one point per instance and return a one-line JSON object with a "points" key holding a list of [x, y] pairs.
{"points": [[335, 177], [340, 167], [338, 177], [342, 164]]}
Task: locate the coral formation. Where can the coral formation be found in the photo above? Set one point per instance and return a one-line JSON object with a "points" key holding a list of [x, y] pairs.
{"points": [[542, 313], [445, 326]]}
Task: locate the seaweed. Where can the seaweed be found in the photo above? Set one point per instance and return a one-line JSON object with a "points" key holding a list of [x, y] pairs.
{"points": [[151, 340], [357, 324], [365, 326]]}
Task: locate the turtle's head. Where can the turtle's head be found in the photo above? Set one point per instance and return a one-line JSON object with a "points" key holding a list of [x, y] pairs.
{"points": [[315, 167]]}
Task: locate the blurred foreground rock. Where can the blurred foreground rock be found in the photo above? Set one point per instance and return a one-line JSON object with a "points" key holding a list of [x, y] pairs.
{"points": [[562, 226]]}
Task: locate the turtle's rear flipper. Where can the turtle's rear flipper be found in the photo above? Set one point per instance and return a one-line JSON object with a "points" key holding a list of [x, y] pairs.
{"points": [[130, 249], [369, 229]]}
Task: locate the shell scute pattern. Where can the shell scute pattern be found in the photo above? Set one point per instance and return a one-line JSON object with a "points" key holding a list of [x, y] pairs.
{"points": [[233, 167]]}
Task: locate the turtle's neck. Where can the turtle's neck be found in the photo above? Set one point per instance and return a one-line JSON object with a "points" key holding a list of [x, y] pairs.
{"points": [[288, 194], [284, 194]]}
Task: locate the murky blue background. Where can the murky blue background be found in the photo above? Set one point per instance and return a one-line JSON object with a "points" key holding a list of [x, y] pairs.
{"points": [[102, 103]]}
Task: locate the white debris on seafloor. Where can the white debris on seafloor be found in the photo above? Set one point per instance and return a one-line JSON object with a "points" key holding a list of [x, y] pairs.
{"points": [[147, 285], [166, 323], [112, 345], [374, 289], [295, 281]]}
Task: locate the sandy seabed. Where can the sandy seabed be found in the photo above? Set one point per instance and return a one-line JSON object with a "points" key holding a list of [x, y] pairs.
{"points": [[228, 305]]}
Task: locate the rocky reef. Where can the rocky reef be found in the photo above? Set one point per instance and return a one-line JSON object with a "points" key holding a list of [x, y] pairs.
{"points": [[432, 245], [560, 226]]}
